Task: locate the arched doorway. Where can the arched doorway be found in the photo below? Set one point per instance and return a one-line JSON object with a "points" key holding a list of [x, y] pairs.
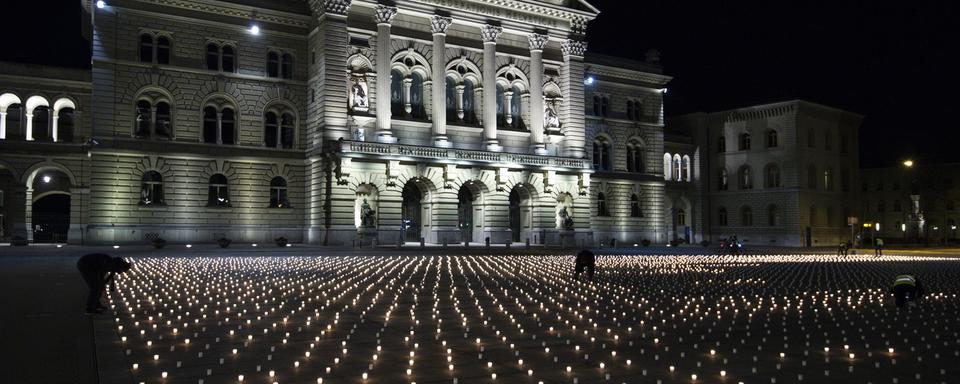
{"points": [[411, 222], [51, 218], [465, 213], [521, 212]]}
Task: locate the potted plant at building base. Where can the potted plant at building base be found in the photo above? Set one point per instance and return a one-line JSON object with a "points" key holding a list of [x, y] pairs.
{"points": [[281, 241], [645, 242], [159, 243], [223, 242]]}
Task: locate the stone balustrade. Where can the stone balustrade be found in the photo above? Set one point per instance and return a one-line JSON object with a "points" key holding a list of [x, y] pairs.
{"points": [[351, 148]]}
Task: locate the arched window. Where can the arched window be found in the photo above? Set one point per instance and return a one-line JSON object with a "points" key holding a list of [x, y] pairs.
{"points": [[602, 205], [164, 129], [746, 177], [14, 125], [417, 108], [772, 179], [744, 142], [278, 193], [516, 109], [146, 48], [451, 98], [601, 154], [286, 66], [686, 168], [721, 144], [772, 139], [722, 217], [151, 188], [635, 206], [667, 166], [828, 179], [218, 193], [287, 130], [270, 128], [634, 157], [227, 126], [143, 119], [723, 182], [228, 59], [812, 176], [773, 216], [163, 50], [681, 217], [41, 123], [396, 93], [65, 125], [213, 57], [273, 64], [501, 114], [746, 216], [210, 125]]}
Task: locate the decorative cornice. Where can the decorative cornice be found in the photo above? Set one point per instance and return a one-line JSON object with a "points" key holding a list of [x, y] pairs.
{"points": [[538, 41], [384, 14], [235, 10], [528, 12], [439, 24], [572, 47], [490, 33]]}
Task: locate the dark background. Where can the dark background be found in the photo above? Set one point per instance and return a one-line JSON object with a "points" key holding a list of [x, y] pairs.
{"points": [[893, 62]]}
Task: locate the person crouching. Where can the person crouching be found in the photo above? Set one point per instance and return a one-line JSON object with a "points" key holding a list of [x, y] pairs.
{"points": [[98, 270]]}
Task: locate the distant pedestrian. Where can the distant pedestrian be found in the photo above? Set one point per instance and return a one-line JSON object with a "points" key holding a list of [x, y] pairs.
{"points": [[906, 289], [586, 260], [842, 250], [98, 270], [878, 247]]}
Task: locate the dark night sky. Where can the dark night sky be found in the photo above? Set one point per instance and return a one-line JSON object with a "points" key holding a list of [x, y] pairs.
{"points": [[893, 62]]}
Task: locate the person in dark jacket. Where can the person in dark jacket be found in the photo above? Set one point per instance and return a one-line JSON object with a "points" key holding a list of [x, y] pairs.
{"points": [[98, 270], [586, 260]]}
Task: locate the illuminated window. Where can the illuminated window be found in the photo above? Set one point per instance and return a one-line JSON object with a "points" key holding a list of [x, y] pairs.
{"points": [[278, 193], [152, 118], [723, 182], [218, 193], [151, 188], [746, 177]]}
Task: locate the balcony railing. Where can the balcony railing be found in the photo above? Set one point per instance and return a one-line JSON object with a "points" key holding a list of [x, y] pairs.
{"points": [[348, 147]]}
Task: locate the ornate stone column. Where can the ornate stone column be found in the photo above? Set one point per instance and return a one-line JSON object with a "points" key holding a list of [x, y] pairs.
{"points": [[29, 132], [153, 122], [54, 121], [571, 112], [537, 43], [219, 127], [383, 16], [489, 34], [439, 25]]}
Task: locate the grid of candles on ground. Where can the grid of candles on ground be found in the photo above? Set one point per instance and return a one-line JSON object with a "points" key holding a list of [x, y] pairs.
{"points": [[523, 319]]}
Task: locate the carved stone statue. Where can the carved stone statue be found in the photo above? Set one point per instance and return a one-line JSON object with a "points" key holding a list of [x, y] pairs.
{"points": [[367, 215], [358, 94], [565, 220], [550, 118]]}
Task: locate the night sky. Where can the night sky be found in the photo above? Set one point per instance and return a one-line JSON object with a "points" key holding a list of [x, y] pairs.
{"points": [[893, 62]]}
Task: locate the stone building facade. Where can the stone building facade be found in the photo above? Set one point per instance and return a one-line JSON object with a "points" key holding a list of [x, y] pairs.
{"points": [[337, 121], [356, 122], [777, 174], [917, 204]]}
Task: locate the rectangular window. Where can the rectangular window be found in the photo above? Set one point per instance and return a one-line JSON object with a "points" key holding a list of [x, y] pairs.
{"points": [[811, 138]]}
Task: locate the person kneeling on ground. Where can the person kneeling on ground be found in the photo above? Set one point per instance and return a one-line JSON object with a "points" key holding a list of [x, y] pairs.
{"points": [[98, 270], [586, 260], [906, 289]]}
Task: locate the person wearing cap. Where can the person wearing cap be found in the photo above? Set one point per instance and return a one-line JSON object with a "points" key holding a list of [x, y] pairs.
{"points": [[98, 270], [906, 289]]}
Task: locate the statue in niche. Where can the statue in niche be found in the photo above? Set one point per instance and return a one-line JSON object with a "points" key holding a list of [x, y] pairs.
{"points": [[367, 215], [565, 220], [550, 117], [358, 94]]}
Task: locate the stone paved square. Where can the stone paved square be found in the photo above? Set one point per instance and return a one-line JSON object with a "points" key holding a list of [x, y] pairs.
{"points": [[524, 319]]}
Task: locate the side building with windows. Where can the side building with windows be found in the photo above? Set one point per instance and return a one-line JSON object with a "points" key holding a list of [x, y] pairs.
{"points": [[777, 174], [915, 204]]}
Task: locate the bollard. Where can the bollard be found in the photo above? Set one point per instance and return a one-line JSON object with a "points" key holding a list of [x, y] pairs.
{"points": [[487, 241], [466, 243], [507, 244], [613, 242], [528, 243], [422, 243], [444, 242]]}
